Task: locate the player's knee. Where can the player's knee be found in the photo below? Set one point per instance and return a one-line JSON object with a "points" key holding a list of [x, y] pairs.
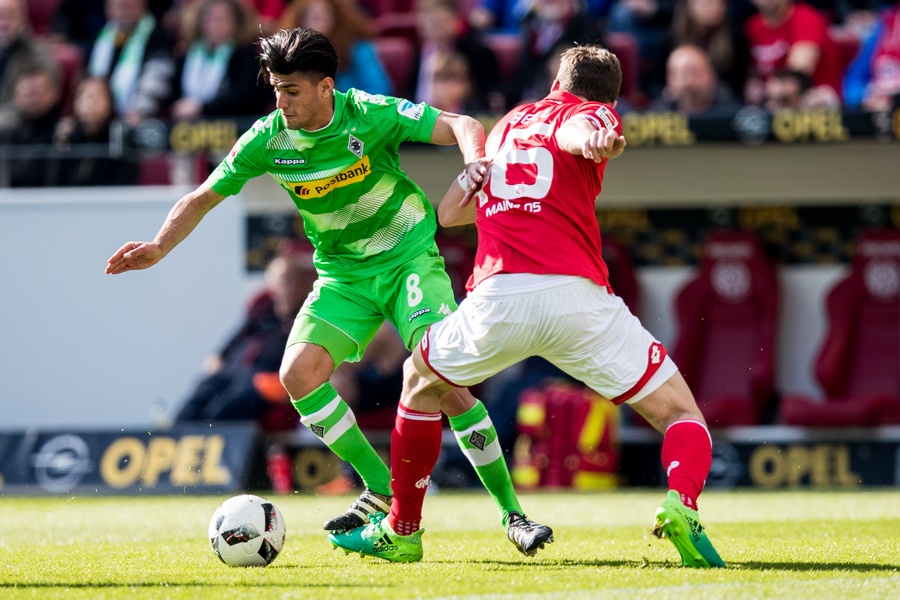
{"points": [[302, 371]]}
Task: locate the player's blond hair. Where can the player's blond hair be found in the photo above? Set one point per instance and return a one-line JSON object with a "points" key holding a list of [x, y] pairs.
{"points": [[592, 72]]}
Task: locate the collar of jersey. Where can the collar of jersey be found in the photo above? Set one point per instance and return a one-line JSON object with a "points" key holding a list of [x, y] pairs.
{"points": [[564, 97]]}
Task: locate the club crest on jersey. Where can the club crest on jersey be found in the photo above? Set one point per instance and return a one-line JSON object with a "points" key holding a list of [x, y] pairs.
{"points": [[411, 110], [355, 146]]}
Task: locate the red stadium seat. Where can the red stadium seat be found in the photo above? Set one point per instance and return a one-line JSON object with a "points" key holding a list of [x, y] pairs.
{"points": [[398, 24], [622, 275], [398, 56], [40, 15], [70, 60], [727, 323], [506, 48], [625, 46], [859, 362]]}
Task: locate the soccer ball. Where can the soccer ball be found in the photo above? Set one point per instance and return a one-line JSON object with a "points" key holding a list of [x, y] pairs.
{"points": [[247, 531]]}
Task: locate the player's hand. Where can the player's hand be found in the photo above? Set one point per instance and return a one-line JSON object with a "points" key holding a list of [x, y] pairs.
{"points": [[603, 144], [476, 172], [134, 256]]}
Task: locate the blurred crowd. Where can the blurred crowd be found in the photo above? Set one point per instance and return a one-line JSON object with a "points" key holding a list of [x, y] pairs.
{"points": [[71, 68]]}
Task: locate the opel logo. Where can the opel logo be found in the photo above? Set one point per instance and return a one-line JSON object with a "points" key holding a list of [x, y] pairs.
{"points": [[61, 463]]}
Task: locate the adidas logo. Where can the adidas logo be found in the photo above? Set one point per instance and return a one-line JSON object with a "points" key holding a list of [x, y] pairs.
{"points": [[384, 544]]}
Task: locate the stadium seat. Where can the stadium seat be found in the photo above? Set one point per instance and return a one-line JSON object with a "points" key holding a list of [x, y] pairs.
{"points": [[506, 48], [858, 365], [398, 24], [70, 60], [625, 46], [848, 45], [398, 55], [40, 15], [726, 330], [622, 275]]}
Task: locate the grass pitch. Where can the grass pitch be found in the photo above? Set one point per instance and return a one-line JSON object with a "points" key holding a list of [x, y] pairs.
{"points": [[804, 544]]}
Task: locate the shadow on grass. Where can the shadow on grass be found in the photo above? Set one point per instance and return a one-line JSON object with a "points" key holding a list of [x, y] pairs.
{"points": [[186, 584], [750, 565]]}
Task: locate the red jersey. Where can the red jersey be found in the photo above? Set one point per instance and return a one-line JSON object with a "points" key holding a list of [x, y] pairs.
{"points": [[770, 46], [535, 213]]}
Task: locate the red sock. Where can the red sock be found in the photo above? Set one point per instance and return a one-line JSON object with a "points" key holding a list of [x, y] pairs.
{"points": [[415, 446], [686, 457]]}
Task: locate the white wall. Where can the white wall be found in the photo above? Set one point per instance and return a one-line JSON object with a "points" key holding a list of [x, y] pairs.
{"points": [[79, 348], [82, 348]]}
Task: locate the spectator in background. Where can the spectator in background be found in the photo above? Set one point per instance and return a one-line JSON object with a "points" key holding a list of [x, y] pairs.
{"points": [[92, 110], [452, 85], [265, 14], [30, 119], [788, 89], [873, 79], [785, 35], [17, 49], [218, 75], [80, 21], [709, 25], [649, 21], [505, 16], [692, 86], [350, 32], [230, 389], [549, 25], [443, 32], [135, 55]]}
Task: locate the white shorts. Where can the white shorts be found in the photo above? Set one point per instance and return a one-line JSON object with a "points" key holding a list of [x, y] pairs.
{"points": [[570, 321]]}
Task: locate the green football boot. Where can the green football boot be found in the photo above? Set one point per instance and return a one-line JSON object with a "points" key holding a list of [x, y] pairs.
{"points": [[681, 525], [379, 540]]}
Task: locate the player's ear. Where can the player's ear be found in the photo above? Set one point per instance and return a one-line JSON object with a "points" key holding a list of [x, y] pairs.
{"points": [[326, 86], [616, 101], [555, 85]]}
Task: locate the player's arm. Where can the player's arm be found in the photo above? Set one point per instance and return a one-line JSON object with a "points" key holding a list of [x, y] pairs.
{"points": [[452, 211], [580, 136], [468, 133], [182, 220]]}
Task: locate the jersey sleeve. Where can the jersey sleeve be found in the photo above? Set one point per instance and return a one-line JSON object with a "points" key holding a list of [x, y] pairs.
{"points": [[599, 115], [240, 165], [405, 120]]}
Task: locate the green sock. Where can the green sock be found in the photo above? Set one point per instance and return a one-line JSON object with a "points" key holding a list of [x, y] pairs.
{"points": [[477, 437], [328, 416]]}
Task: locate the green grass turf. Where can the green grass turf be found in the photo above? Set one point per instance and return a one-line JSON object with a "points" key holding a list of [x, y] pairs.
{"points": [[797, 544]]}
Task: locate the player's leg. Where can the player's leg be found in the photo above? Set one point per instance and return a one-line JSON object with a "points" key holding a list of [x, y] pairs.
{"points": [[426, 282], [334, 325], [609, 350]]}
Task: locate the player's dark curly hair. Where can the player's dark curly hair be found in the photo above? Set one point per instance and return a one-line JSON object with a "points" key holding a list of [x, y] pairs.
{"points": [[591, 72], [297, 50]]}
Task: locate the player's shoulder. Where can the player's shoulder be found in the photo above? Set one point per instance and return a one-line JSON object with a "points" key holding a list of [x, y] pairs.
{"points": [[378, 107], [262, 130], [598, 113]]}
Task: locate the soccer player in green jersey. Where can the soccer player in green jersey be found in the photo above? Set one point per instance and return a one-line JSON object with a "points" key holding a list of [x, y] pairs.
{"points": [[336, 155]]}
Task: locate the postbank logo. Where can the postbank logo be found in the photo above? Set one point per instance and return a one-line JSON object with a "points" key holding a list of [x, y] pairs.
{"points": [[319, 187]]}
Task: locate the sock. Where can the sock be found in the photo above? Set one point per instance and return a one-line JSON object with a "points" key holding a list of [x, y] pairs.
{"points": [[328, 416], [477, 437], [415, 446], [686, 457]]}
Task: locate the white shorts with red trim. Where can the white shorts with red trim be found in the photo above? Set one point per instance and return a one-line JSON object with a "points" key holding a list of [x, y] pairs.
{"points": [[570, 321]]}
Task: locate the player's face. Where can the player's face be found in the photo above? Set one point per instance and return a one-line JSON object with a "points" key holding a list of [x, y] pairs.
{"points": [[305, 103]]}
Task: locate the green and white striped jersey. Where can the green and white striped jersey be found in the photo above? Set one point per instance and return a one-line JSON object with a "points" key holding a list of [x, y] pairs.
{"points": [[360, 211]]}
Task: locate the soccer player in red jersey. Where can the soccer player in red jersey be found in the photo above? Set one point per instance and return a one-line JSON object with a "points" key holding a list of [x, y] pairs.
{"points": [[540, 287]]}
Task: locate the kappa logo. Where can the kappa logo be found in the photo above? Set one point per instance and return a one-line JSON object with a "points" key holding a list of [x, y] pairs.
{"points": [[477, 440], [444, 309], [289, 161], [419, 313], [318, 430], [411, 110], [355, 146]]}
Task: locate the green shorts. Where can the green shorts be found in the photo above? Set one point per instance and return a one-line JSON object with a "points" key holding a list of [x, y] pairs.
{"points": [[343, 317]]}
